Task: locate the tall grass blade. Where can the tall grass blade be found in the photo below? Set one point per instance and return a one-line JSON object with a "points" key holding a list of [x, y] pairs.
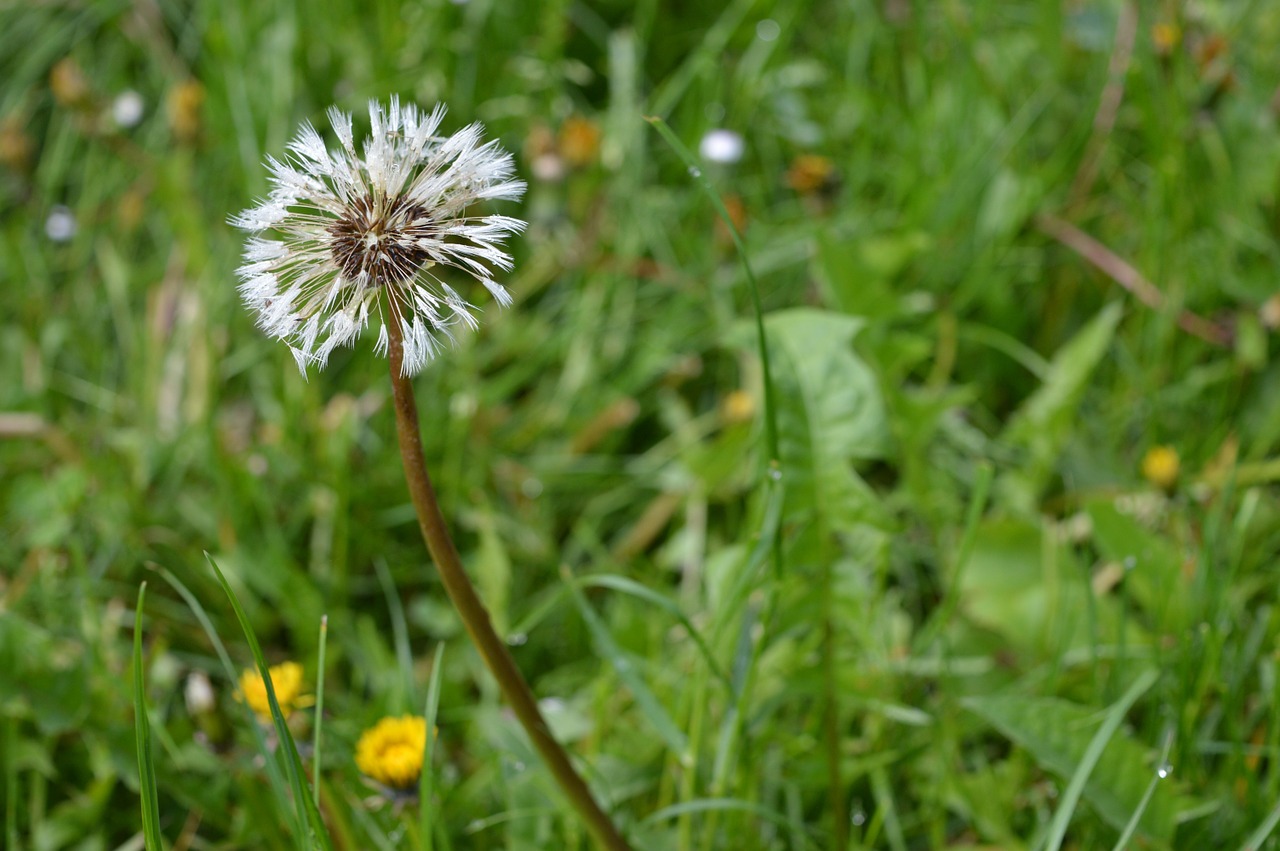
{"points": [[1111, 723], [400, 635], [308, 823], [274, 777], [649, 704], [426, 783], [142, 732], [635, 589], [1161, 772], [316, 753]]}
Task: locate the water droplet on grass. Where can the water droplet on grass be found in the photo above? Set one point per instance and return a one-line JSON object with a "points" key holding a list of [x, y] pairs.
{"points": [[694, 171]]}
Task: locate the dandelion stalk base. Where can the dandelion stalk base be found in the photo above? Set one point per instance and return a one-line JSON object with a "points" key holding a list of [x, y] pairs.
{"points": [[472, 611]]}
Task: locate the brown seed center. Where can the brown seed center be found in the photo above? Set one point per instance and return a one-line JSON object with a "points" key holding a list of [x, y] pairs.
{"points": [[378, 242]]}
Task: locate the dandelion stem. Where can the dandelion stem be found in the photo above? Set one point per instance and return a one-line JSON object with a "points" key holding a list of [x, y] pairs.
{"points": [[472, 611]]}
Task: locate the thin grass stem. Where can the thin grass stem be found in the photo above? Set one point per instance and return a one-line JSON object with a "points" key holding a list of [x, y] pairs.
{"points": [[315, 740]]}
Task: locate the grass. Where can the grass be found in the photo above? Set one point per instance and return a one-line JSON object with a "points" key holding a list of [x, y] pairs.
{"points": [[983, 626]]}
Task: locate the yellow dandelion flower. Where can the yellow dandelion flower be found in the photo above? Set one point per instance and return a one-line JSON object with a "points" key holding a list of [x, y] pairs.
{"points": [[286, 679], [811, 174], [1160, 467], [1165, 36], [579, 141], [184, 102], [391, 751], [738, 407], [68, 82]]}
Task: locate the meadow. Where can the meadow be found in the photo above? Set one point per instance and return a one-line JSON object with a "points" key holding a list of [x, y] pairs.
{"points": [[985, 558]]}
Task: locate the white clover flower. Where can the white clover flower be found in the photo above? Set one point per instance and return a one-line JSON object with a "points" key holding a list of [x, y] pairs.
{"points": [[341, 229], [722, 146]]}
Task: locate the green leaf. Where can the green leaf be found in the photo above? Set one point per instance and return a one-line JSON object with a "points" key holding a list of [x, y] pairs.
{"points": [[43, 675], [1029, 591], [1154, 574], [650, 707], [858, 274], [1046, 419], [830, 414], [1058, 735]]}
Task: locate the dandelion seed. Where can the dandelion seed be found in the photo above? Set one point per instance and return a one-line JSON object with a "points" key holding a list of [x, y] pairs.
{"points": [[348, 237]]}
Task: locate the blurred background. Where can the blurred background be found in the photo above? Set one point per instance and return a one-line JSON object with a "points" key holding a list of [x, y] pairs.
{"points": [[1018, 262]]}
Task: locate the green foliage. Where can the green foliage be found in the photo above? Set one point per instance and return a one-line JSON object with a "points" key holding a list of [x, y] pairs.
{"points": [[928, 631]]}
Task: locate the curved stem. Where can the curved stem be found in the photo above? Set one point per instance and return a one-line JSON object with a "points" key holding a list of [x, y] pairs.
{"points": [[472, 611]]}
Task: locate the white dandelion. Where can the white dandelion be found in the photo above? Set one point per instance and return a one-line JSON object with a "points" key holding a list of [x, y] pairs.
{"points": [[341, 229]]}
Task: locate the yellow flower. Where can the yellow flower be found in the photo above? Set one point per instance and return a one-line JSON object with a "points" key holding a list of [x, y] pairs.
{"points": [[391, 751], [1165, 36], [811, 174], [579, 141], [1160, 467], [286, 679], [738, 407]]}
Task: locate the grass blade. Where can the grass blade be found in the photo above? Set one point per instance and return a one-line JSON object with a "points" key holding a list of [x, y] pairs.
{"points": [[649, 704], [635, 589], [274, 777], [307, 816], [142, 731], [426, 783], [1111, 723], [1259, 836], [400, 635], [710, 805], [315, 741], [1162, 771], [695, 170]]}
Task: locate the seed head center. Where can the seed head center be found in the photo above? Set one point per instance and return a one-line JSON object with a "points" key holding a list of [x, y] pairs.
{"points": [[380, 242]]}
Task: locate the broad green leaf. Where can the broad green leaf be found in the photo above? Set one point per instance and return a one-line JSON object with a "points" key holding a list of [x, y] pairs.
{"points": [[1154, 567], [1032, 591], [1057, 734], [1092, 755], [1046, 419], [858, 273], [43, 675], [830, 414]]}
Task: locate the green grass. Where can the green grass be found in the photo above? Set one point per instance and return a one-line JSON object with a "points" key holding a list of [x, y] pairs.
{"points": [[981, 627]]}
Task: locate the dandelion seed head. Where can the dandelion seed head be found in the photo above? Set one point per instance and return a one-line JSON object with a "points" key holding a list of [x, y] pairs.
{"points": [[358, 235]]}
